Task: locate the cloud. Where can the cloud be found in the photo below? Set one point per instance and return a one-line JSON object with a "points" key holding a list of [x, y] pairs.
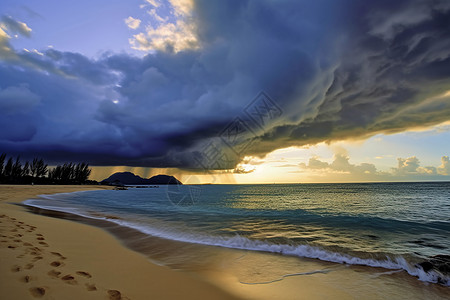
{"points": [[411, 166], [152, 12], [182, 7], [315, 164], [341, 164], [340, 169], [154, 3], [15, 99], [444, 168], [15, 27], [132, 22], [287, 166], [350, 71], [242, 170], [408, 165], [6, 51], [168, 35], [11, 27]]}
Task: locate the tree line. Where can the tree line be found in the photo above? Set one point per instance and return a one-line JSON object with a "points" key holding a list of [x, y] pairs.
{"points": [[13, 171]]}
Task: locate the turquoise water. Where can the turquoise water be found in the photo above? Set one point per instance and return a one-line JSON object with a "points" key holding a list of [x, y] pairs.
{"points": [[389, 225]]}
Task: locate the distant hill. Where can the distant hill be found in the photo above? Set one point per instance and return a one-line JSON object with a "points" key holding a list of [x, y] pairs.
{"points": [[128, 178]]}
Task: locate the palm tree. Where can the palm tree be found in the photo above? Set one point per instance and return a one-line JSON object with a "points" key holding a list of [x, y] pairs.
{"points": [[16, 172], [7, 172], [82, 172], [38, 168], [26, 169]]}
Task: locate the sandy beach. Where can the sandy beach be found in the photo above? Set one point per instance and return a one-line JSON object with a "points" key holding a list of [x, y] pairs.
{"points": [[49, 258]]}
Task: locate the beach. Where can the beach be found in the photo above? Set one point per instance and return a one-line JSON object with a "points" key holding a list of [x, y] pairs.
{"points": [[49, 258], [50, 251]]}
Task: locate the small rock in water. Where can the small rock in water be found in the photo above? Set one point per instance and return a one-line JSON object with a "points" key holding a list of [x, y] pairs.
{"points": [[440, 264]]}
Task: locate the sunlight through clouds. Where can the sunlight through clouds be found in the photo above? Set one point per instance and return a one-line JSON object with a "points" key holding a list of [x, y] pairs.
{"points": [[11, 27], [172, 33]]}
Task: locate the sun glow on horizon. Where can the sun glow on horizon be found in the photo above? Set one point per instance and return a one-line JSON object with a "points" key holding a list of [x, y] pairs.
{"points": [[372, 159]]}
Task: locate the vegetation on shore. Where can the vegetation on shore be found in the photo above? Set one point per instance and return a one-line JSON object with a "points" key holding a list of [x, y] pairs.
{"points": [[13, 171]]}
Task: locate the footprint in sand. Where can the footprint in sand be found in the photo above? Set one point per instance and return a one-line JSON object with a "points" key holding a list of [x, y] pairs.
{"points": [[16, 268], [40, 238], [91, 287], [69, 279], [11, 247], [114, 295], [26, 279], [29, 266], [43, 244], [39, 234], [36, 258], [56, 264], [37, 292], [58, 254], [54, 273], [84, 274], [27, 244]]}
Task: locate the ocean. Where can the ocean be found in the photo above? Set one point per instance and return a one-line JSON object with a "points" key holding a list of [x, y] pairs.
{"points": [[384, 227]]}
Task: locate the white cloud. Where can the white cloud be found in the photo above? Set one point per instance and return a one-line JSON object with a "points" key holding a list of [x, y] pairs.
{"points": [[340, 169], [427, 170], [15, 27], [166, 37], [10, 27], [132, 22], [444, 168], [341, 164], [155, 16], [407, 165], [182, 7], [411, 166], [155, 3], [172, 36], [315, 164], [5, 47]]}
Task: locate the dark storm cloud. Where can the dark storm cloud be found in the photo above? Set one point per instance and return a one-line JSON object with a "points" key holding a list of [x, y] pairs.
{"points": [[336, 69]]}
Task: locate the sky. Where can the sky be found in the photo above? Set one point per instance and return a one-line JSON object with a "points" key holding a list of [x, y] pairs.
{"points": [[237, 91]]}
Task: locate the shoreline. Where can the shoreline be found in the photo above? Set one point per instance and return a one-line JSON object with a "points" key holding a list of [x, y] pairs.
{"points": [[52, 258], [122, 263]]}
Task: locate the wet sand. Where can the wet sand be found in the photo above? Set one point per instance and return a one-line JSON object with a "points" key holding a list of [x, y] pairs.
{"points": [[49, 258]]}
